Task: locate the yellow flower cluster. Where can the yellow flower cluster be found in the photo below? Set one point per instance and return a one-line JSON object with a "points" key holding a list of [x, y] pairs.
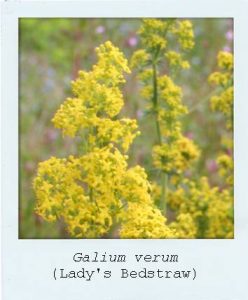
{"points": [[171, 95], [175, 60], [210, 208], [96, 193], [185, 33], [225, 164], [176, 157], [170, 108], [223, 102], [184, 226], [156, 36], [200, 211], [223, 79], [139, 58], [145, 221], [174, 153], [98, 99], [152, 33], [225, 60], [205, 211]]}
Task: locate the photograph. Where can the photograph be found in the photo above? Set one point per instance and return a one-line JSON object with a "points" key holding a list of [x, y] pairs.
{"points": [[126, 128]]}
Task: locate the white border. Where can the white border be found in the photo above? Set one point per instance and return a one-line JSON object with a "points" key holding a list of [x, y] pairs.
{"points": [[27, 264]]}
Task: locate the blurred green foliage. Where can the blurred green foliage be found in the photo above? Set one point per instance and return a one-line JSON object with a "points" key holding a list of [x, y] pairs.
{"points": [[51, 53]]}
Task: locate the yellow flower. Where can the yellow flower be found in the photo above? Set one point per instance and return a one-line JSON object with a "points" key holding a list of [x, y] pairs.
{"points": [[223, 100], [98, 99], [145, 221], [176, 157], [185, 34], [139, 58], [209, 208], [225, 164], [96, 192], [152, 34], [184, 226], [225, 60], [175, 60]]}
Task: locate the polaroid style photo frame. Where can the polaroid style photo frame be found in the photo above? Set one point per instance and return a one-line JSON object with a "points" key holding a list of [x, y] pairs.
{"points": [[124, 150]]}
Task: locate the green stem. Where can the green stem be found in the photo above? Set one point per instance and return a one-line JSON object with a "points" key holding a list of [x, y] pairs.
{"points": [[155, 101], [164, 176], [164, 180], [112, 229]]}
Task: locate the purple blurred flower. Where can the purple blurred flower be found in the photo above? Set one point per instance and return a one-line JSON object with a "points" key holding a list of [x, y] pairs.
{"points": [[229, 35], [51, 135], [211, 165], [139, 114], [100, 29], [230, 152], [226, 49], [29, 166], [189, 135], [132, 41]]}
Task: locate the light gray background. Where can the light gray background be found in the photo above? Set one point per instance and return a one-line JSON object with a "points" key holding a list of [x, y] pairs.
{"points": [[222, 265]]}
